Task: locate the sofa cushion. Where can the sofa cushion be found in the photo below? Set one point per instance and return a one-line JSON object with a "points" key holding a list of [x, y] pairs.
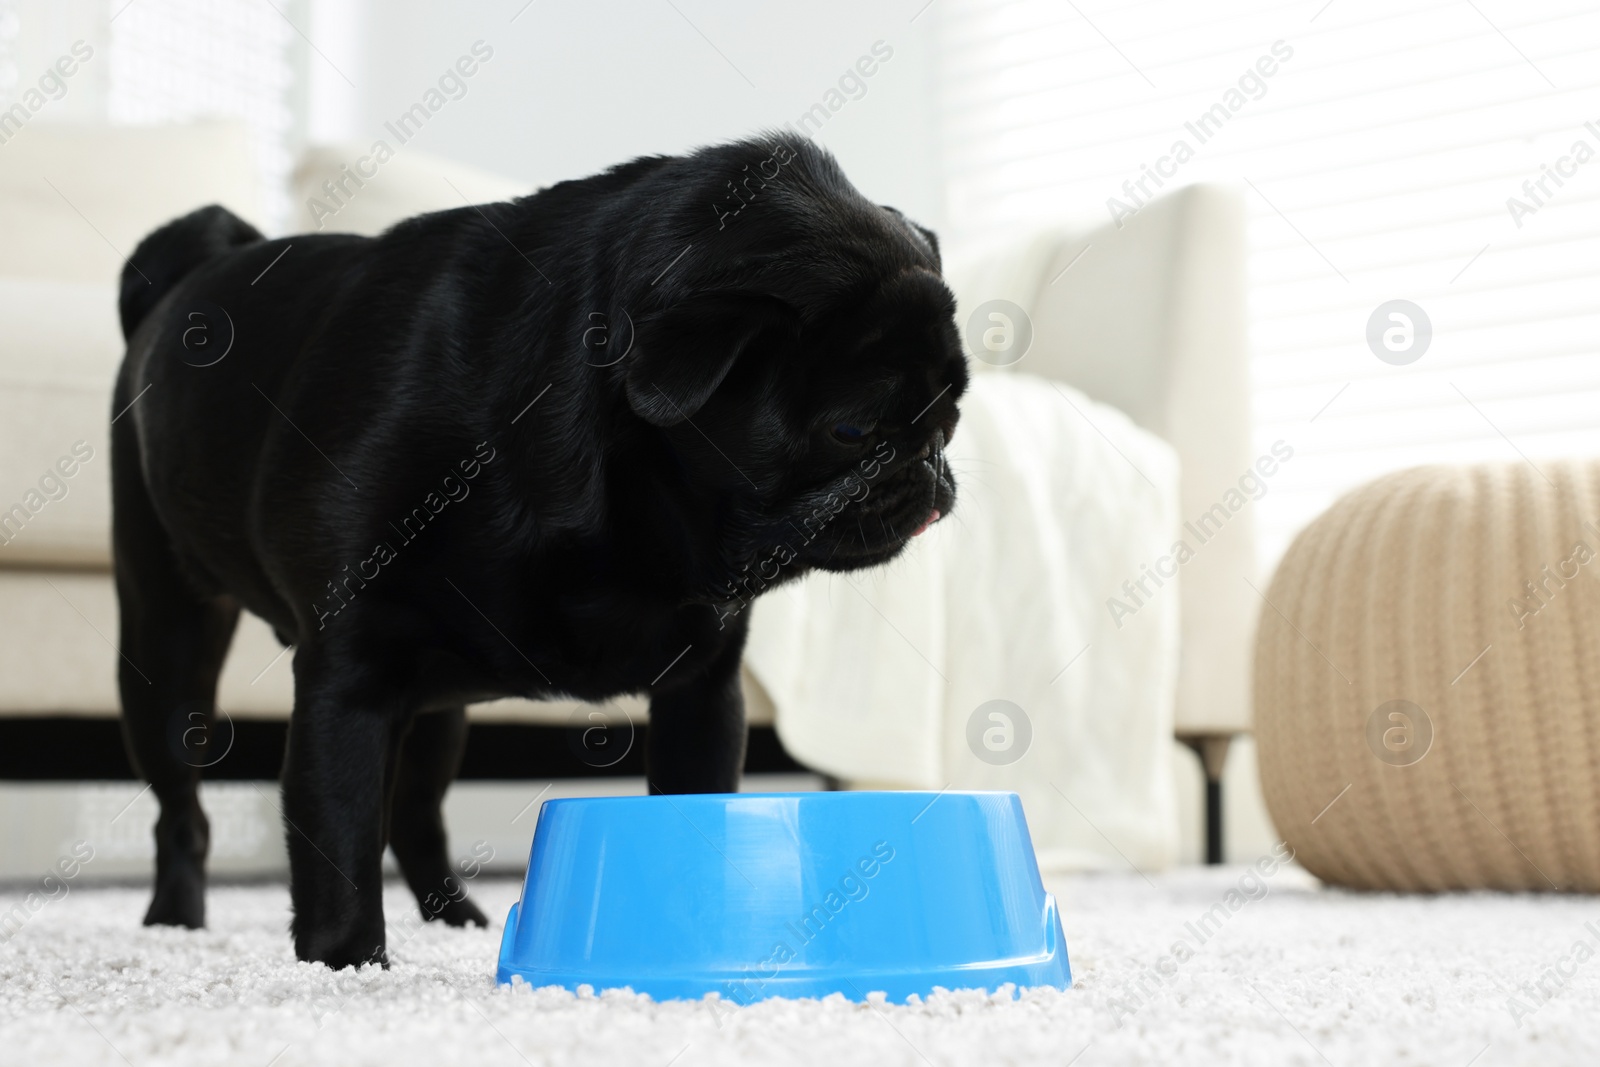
{"points": [[75, 200], [59, 350], [58, 657]]}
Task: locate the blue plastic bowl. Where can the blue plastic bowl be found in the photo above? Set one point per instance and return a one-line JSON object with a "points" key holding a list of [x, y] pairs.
{"points": [[784, 894]]}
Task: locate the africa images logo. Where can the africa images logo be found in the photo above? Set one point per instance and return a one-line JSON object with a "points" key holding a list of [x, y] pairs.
{"points": [[853, 886]]}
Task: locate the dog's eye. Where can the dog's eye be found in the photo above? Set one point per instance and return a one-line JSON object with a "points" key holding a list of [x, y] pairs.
{"points": [[852, 432]]}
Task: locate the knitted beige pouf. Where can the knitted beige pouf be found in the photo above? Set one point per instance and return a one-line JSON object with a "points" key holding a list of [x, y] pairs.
{"points": [[1427, 682]]}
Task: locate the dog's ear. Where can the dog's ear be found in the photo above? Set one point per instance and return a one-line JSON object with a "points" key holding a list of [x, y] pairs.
{"points": [[933, 243], [928, 237], [683, 353]]}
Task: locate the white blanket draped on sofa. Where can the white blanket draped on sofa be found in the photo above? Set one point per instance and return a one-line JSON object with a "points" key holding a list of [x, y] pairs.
{"points": [[1059, 501]]}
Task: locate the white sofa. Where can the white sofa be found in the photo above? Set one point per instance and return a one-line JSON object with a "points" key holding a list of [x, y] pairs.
{"points": [[1149, 320]]}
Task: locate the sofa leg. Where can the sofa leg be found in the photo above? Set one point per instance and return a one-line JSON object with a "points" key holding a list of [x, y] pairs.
{"points": [[1213, 821], [1213, 752]]}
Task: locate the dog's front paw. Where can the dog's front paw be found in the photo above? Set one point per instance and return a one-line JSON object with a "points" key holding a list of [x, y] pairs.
{"points": [[340, 950], [339, 957]]}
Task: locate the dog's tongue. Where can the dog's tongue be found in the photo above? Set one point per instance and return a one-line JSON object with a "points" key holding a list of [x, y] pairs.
{"points": [[931, 519]]}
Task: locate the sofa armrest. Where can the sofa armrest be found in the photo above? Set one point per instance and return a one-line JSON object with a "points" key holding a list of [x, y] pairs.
{"points": [[1150, 317]]}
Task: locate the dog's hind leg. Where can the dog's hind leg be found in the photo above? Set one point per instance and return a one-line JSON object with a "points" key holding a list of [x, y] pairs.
{"points": [[427, 763], [173, 643]]}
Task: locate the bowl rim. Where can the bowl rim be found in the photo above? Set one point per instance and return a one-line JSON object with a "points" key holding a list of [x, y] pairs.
{"points": [[817, 794]]}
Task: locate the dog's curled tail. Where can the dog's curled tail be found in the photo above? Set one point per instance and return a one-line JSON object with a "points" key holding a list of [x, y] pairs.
{"points": [[165, 257]]}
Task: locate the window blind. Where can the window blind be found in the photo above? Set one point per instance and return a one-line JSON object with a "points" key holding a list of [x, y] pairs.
{"points": [[1446, 154], [187, 59]]}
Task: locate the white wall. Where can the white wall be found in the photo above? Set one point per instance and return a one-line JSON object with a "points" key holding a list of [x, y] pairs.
{"points": [[575, 87]]}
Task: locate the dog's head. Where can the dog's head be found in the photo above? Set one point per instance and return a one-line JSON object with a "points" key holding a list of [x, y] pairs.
{"points": [[803, 363]]}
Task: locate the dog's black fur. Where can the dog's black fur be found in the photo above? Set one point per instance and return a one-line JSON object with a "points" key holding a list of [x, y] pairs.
{"points": [[537, 448]]}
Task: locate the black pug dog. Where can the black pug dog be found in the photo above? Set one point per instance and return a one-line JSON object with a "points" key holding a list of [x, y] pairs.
{"points": [[546, 447]]}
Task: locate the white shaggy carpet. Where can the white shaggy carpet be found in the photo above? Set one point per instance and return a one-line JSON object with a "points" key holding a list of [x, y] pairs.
{"points": [[1302, 975]]}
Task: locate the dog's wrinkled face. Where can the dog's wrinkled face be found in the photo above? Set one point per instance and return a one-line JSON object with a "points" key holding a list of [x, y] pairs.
{"points": [[878, 413], [821, 439]]}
